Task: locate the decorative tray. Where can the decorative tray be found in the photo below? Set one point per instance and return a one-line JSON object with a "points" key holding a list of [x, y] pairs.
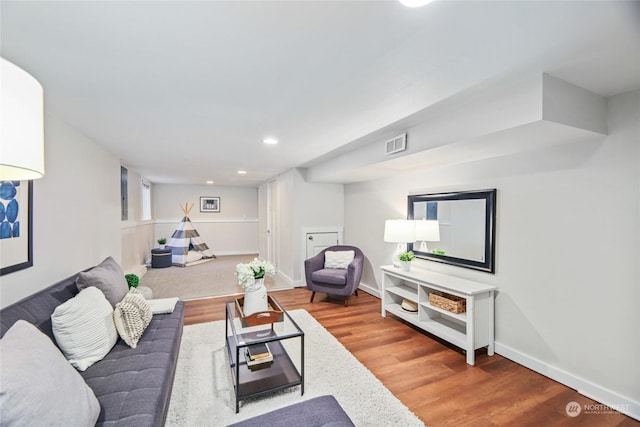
{"points": [[273, 314]]}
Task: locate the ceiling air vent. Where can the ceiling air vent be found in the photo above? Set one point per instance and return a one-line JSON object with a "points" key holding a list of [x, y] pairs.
{"points": [[395, 145]]}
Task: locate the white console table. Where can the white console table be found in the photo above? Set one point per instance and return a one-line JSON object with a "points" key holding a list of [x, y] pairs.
{"points": [[469, 331]]}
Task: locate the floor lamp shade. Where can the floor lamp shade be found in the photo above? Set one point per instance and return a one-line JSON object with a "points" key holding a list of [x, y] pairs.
{"points": [[21, 125]]}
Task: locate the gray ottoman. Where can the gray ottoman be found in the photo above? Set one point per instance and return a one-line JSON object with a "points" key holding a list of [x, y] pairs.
{"points": [[316, 412], [161, 258]]}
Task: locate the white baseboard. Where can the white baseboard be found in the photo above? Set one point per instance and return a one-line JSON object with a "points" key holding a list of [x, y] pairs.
{"points": [[613, 400], [227, 253], [370, 290], [289, 280]]}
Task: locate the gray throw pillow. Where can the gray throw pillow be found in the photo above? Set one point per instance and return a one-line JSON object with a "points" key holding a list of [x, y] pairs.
{"points": [[38, 384], [108, 277]]}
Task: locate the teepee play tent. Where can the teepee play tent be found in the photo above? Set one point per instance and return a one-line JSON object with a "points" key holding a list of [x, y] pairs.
{"points": [[186, 244]]}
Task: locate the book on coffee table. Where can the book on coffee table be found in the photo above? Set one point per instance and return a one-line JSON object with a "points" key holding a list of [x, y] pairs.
{"points": [[258, 351], [265, 360]]}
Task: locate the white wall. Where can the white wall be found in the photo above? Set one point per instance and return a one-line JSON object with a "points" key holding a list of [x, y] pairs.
{"points": [[234, 230], [568, 244], [76, 205], [302, 205]]}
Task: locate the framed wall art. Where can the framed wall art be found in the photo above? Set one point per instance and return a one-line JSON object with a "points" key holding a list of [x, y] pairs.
{"points": [[16, 226], [209, 204]]}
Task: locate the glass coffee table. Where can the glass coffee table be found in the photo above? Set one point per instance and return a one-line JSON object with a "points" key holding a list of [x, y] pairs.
{"points": [[285, 342]]}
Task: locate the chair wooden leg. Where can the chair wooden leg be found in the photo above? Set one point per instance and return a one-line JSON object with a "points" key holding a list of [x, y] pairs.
{"points": [[356, 292], [313, 294], [346, 301]]}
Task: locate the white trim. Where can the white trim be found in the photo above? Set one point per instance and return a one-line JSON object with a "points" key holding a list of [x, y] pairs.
{"points": [[290, 281], [229, 253], [370, 290], [622, 404], [134, 224], [202, 221]]}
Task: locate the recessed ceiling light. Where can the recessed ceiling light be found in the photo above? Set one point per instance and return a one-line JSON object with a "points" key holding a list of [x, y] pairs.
{"points": [[270, 141], [415, 3], [209, 182], [242, 172]]}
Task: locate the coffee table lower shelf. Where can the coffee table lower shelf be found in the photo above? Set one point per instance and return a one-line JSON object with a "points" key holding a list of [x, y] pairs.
{"points": [[280, 374]]}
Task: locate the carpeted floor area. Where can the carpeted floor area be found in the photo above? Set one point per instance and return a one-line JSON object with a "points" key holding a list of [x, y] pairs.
{"points": [[213, 278], [203, 393]]}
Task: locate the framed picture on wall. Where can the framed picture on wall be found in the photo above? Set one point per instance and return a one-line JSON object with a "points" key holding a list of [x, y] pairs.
{"points": [[16, 226], [209, 204]]}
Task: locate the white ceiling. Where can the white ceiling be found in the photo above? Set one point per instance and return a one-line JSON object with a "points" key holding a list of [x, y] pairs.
{"points": [[185, 92]]}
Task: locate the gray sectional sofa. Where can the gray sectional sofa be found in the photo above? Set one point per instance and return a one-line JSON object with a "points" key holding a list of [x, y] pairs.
{"points": [[132, 385]]}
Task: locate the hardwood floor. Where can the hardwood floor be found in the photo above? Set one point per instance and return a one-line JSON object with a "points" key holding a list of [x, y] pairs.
{"points": [[429, 376]]}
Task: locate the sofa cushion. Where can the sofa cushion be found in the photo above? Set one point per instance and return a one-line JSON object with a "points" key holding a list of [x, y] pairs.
{"points": [[134, 385], [83, 328], [333, 276], [338, 259], [37, 383], [132, 316], [106, 276], [320, 411]]}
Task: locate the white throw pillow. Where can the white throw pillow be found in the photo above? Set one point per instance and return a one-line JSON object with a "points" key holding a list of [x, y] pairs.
{"points": [[37, 384], [84, 329], [162, 305], [338, 259], [132, 315]]}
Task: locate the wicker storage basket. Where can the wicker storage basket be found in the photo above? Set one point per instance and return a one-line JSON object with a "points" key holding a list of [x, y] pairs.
{"points": [[448, 302]]}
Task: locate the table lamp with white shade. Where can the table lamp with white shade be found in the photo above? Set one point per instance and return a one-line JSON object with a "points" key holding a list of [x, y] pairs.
{"points": [[400, 231], [427, 230]]}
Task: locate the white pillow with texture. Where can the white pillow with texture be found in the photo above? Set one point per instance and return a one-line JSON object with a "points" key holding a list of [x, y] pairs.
{"points": [[84, 329], [132, 315], [338, 259], [37, 384]]}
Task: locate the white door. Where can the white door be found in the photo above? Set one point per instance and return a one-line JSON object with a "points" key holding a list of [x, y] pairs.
{"points": [[272, 223], [316, 242]]}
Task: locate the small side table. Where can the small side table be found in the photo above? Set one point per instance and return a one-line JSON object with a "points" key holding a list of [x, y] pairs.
{"points": [[160, 258], [287, 368]]}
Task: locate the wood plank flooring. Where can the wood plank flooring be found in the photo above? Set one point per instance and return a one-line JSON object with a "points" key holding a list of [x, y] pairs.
{"points": [[428, 375]]}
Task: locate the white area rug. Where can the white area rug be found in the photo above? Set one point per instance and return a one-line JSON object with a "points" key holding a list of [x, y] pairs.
{"points": [[203, 394]]}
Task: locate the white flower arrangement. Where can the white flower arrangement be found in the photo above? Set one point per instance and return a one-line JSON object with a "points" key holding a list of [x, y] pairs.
{"points": [[256, 269]]}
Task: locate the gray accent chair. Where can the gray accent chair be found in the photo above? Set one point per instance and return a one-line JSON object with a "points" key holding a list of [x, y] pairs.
{"points": [[334, 281]]}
